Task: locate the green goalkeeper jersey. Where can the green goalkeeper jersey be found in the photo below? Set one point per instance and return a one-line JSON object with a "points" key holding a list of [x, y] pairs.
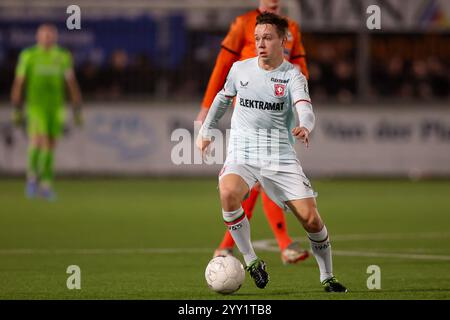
{"points": [[44, 72]]}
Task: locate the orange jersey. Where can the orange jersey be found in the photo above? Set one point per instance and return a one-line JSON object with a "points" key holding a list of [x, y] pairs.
{"points": [[239, 44]]}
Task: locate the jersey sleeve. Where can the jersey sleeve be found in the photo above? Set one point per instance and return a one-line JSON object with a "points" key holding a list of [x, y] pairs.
{"points": [[298, 54], [235, 38], [299, 88], [229, 89], [22, 65]]}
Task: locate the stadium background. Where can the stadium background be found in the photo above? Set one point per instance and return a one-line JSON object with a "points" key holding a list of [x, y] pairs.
{"points": [[380, 154]]}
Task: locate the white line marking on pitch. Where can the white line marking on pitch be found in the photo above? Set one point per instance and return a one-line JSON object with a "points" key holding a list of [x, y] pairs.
{"points": [[104, 251], [266, 245], [270, 245], [391, 255]]}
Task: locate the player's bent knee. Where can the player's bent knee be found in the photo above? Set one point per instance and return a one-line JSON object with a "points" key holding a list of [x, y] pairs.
{"points": [[232, 191], [313, 224], [309, 217], [229, 197]]}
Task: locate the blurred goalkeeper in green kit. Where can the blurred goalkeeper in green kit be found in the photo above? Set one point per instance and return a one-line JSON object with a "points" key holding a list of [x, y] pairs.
{"points": [[41, 74]]}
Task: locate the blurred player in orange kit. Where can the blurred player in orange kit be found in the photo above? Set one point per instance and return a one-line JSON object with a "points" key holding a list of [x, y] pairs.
{"points": [[239, 44]]}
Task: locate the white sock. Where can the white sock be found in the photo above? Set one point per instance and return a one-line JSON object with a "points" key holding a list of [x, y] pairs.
{"points": [[239, 227], [321, 248]]}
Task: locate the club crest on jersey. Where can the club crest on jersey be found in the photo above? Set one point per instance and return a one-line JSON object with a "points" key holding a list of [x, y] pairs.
{"points": [[279, 89]]}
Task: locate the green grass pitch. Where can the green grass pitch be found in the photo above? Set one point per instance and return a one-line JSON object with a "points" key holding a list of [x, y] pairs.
{"points": [[152, 239]]}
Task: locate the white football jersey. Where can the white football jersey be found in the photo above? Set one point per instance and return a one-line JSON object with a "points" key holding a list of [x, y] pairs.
{"points": [[263, 116]]}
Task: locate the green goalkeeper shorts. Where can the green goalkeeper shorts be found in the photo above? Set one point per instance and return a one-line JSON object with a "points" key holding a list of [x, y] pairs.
{"points": [[42, 121]]}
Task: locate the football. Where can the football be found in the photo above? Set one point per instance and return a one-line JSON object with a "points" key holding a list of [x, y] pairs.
{"points": [[225, 275]]}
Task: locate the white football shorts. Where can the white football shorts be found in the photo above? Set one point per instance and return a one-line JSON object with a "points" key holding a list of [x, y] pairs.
{"points": [[281, 183]]}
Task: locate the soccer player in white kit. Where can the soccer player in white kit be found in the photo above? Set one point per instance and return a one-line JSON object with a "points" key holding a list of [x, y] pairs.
{"points": [[267, 90]]}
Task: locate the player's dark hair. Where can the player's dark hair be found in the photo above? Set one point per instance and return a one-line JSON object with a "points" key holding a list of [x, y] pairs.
{"points": [[279, 22]]}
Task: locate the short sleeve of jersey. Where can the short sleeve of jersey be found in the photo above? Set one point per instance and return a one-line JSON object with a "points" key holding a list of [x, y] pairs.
{"points": [[229, 89], [234, 40], [22, 65], [299, 88]]}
